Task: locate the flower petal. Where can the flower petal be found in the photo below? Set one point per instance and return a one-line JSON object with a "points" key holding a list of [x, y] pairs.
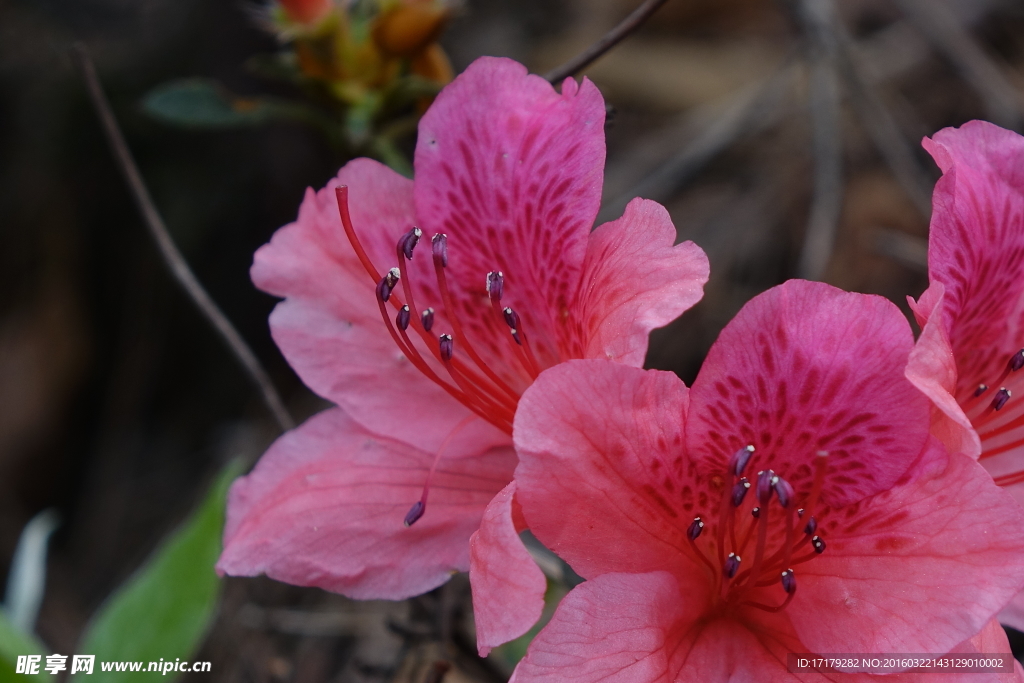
{"points": [[325, 507], [803, 368], [511, 171], [608, 431], [634, 280], [646, 628], [918, 568], [329, 326], [932, 369], [976, 246], [508, 586]]}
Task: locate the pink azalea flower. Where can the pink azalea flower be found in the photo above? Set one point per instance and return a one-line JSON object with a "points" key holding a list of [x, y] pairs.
{"points": [[426, 363], [972, 315], [791, 501]]}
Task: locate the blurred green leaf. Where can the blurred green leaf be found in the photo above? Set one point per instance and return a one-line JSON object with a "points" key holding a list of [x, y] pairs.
{"points": [[13, 643], [163, 611], [203, 103]]}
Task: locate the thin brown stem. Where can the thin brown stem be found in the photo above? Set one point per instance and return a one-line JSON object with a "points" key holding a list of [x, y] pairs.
{"points": [[610, 40], [168, 250]]}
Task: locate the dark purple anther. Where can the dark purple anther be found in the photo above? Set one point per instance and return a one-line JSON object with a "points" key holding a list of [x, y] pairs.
{"points": [[515, 335], [447, 346], [764, 486], [788, 581], [784, 490], [739, 492], [739, 460], [408, 242], [439, 246], [982, 388], [495, 285], [387, 284], [1002, 396], [402, 319], [819, 545], [755, 512], [1017, 361], [732, 565], [415, 512], [812, 526], [511, 318], [696, 527], [428, 319]]}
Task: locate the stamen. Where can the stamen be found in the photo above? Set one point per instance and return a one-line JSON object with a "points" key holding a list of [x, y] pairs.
{"points": [[812, 526], [739, 492], [783, 490], [696, 528], [439, 245], [387, 284], [408, 242], [519, 334], [982, 388], [732, 565], [447, 346], [402, 318], [739, 460], [692, 533], [764, 486], [420, 506], [415, 512], [755, 512], [818, 543], [428, 319], [495, 285], [1016, 361], [341, 193], [439, 249], [1002, 396], [788, 581]]}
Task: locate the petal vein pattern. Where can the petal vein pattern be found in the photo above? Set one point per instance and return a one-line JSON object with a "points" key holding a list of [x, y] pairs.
{"points": [[424, 309], [971, 350], [791, 501]]}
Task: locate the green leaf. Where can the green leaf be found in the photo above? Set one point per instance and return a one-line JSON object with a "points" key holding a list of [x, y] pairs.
{"points": [[203, 103], [13, 643], [165, 608]]}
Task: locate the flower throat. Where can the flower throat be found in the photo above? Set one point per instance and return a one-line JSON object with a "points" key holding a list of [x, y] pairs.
{"points": [[997, 419], [469, 380], [771, 531]]}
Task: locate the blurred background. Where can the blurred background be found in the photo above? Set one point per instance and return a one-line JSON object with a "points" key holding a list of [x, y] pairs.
{"points": [[782, 139]]}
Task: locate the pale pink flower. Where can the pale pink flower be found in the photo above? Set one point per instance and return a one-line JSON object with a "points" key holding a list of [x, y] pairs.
{"points": [[972, 315], [508, 184], [791, 501]]}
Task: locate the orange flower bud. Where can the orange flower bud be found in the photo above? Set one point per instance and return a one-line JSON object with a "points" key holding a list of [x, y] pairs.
{"points": [[306, 11], [409, 28]]}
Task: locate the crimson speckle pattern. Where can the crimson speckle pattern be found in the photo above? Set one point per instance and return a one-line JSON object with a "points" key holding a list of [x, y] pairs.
{"points": [[519, 172], [807, 368]]}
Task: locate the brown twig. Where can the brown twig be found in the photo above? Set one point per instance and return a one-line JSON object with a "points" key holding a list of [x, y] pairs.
{"points": [[172, 257], [610, 40], [817, 18]]}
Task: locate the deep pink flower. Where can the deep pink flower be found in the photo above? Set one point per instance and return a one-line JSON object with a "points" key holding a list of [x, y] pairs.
{"points": [[508, 178], [972, 315], [846, 528]]}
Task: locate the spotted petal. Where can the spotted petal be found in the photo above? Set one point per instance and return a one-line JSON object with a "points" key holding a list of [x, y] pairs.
{"points": [[329, 326], [803, 368], [511, 171]]}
